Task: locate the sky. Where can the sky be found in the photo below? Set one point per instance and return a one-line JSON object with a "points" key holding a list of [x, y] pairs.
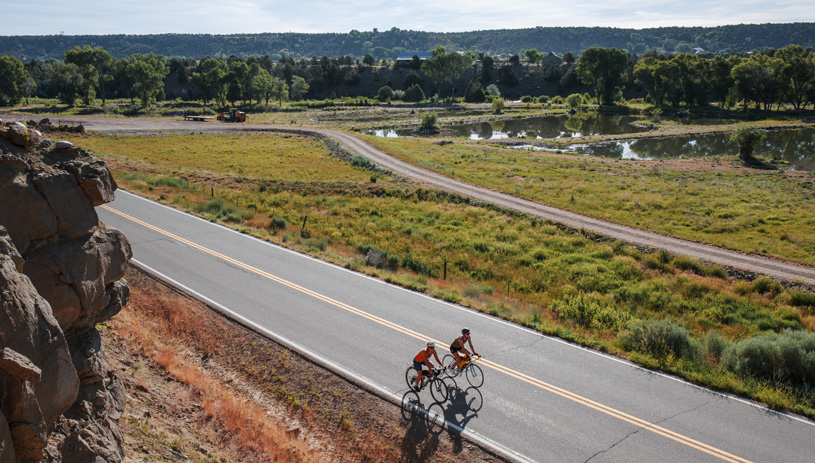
{"points": [[99, 17]]}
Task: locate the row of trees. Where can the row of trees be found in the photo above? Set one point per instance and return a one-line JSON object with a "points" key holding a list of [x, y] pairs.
{"points": [[784, 76]]}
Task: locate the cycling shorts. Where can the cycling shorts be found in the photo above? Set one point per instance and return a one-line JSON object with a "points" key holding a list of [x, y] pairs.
{"points": [[453, 349], [417, 365]]}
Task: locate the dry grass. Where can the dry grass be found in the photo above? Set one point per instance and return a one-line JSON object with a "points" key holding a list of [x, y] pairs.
{"points": [[161, 328]]}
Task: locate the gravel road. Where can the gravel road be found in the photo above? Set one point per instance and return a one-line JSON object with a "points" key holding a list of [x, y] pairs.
{"points": [[748, 262]]}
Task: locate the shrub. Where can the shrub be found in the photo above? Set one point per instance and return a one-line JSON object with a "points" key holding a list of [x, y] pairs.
{"points": [[413, 79], [763, 285], [493, 90], [557, 100], [587, 312], [661, 338], [429, 121], [497, 105], [385, 93], [363, 162], [716, 345], [789, 356], [574, 100], [527, 99], [543, 99], [278, 223], [414, 94], [746, 138], [801, 298]]}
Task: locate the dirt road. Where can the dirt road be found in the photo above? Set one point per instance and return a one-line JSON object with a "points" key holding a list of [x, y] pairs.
{"points": [[749, 262]]}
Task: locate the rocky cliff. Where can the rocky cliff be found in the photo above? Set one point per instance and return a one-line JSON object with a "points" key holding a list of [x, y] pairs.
{"points": [[60, 275]]}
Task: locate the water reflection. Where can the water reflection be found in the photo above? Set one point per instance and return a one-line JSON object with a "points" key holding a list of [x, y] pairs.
{"points": [[796, 146], [562, 126]]}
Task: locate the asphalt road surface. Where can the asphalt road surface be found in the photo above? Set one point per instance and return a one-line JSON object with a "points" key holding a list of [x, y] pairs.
{"points": [[543, 398]]}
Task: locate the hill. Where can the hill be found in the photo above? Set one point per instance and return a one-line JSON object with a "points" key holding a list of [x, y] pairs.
{"points": [[388, 44]]}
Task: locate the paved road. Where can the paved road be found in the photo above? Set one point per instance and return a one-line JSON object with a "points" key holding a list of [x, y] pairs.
{"points": [[545, 399], [750, 262]]}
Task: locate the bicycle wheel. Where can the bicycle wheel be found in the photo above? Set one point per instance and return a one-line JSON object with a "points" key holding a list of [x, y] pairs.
{"points": [[410, 377], [449, 362], [474, 375], [438, 390]]}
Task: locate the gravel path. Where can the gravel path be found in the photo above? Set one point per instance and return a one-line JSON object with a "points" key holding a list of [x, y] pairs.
{"points": [[752, 263]]}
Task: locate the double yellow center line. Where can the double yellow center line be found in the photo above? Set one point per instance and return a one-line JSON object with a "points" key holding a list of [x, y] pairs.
{"points": [[656, 429]]}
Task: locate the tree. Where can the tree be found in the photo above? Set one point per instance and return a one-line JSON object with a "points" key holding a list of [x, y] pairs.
{"points": [[298, 88], [67, 79], [12, 80], [238, 72], [147, 75], [606, 68], [385, 94], [746, 138], [722, 86], [211, 79], [486, 68], [96, 65], [507, 76], [657, 76], [261, 86], [515, 60], [533, 56], [574, 100], [798, 74], [475, 93], [368, 60], [446, 67], [413, 94]]}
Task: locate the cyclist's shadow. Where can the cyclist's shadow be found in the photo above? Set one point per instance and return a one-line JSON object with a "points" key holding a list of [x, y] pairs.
{"points": [[421, 439], [419, 443]]}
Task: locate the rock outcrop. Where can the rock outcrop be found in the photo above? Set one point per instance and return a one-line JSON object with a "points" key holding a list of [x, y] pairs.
{"points": [[60, 275]]}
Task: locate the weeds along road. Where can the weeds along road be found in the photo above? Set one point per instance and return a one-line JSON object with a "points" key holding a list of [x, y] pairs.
{"points": [[543, 398], [753, 263]]}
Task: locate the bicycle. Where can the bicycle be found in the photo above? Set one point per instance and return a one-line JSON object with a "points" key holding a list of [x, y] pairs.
{"points": [[438, 388], [471, 371]]}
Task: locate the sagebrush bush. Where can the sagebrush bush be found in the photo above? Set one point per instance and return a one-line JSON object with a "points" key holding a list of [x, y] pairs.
{"points": [[789, 356], [587, 312], [661, 338], [763, 285], [715, 345]]}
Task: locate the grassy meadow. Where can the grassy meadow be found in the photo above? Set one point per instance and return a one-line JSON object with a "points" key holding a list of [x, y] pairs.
{"points": [[766, 212], [663, 311]]}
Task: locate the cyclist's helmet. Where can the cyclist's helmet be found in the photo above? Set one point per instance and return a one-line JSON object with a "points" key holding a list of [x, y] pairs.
{"points": [[431, 344], [465, 331]]}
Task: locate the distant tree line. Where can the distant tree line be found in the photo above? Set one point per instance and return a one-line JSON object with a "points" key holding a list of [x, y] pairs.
{"points": [[774, 77], [390, 43]]}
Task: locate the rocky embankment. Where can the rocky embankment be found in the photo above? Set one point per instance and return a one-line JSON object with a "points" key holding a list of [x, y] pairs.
{"points": [[60, 275]]}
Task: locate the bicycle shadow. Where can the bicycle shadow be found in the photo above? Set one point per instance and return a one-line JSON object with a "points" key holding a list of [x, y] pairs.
{"points": [[419, 443], [426, 423]]}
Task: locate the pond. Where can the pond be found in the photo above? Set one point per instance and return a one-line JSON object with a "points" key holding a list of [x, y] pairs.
{"points": [[562, 126], [535, 127], [796, 146]]}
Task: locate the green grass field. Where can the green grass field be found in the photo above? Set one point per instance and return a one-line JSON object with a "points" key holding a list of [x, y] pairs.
{"points": [[712, 201]]}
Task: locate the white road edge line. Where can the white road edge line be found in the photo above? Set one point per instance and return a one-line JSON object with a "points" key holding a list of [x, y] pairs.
{"points": [[495, 319], [333, 366]]}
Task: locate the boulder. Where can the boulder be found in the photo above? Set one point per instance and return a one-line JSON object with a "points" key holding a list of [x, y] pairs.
{"points": [[18, 134]]}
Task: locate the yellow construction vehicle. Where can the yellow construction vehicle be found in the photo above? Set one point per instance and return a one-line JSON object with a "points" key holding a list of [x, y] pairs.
{"points": [[232, 115]]}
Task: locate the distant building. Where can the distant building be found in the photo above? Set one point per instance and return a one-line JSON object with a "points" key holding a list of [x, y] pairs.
{"points": [[406, 58], [551, 59]]}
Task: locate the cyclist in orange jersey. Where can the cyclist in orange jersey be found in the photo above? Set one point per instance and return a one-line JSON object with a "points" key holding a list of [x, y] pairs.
{"points": [[423, 358]]}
